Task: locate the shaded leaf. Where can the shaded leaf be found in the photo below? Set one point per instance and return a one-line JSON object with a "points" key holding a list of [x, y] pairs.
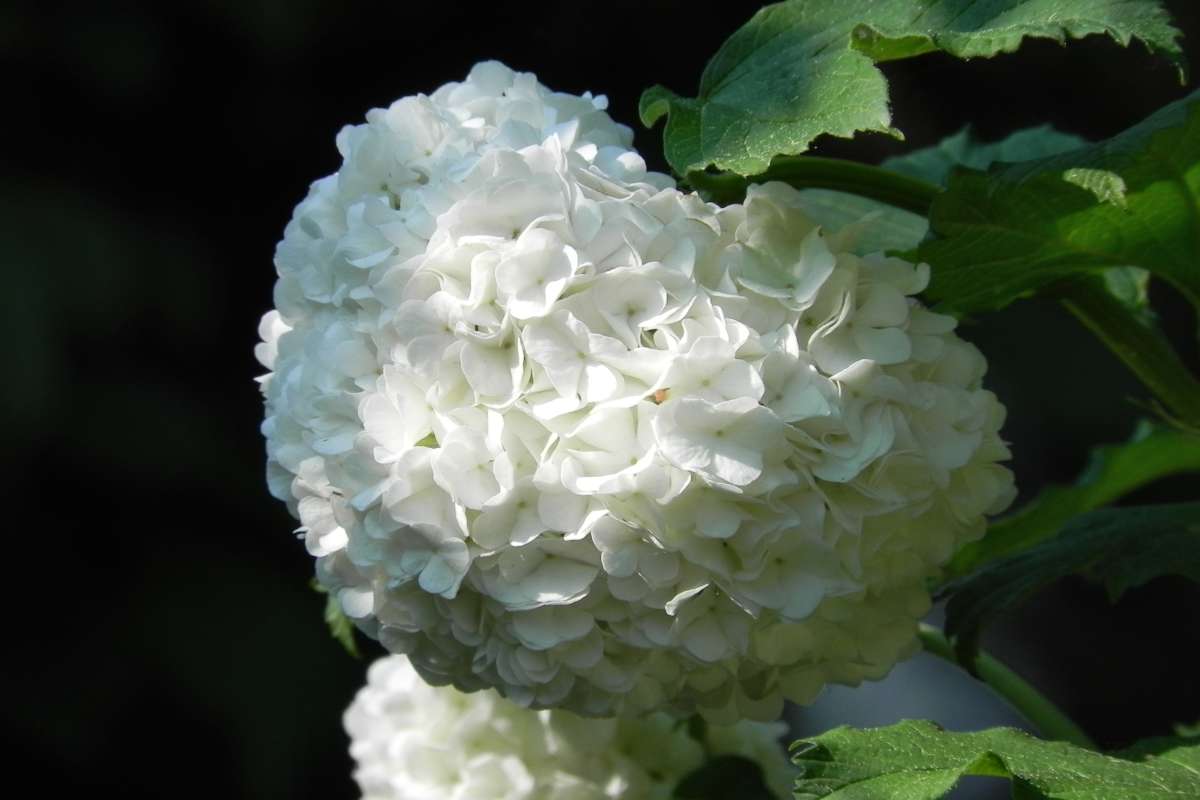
{"points": [[934, 164], [1113, 307], [917, 760], [1133, 200], [1112, 472], [890, 228], [1110, 300], [1120, 547], [893, 228]]}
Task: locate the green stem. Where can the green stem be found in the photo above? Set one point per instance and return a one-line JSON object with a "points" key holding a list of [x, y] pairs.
{"points": [[1139, 345], [1033, 705], [811, 172]]}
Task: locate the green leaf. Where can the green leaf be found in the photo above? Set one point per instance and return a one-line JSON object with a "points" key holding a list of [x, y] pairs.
{"points": [[340, 626], [1133, 200], [725, 778], [805, 68], [1112, 306], [1112, 303], [1121, 547], [934, 164], [1112, 472], [893, 228], [917, 760]]}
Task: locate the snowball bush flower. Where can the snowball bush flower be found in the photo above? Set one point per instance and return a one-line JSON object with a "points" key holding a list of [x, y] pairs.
{"points": [[413, 741], [553, 426]]}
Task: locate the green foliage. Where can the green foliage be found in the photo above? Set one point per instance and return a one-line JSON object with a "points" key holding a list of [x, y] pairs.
{"points": [[340, 626], [1109, 300], [1073, 218], [724, 778], [894, 189], [892, 227], [1129, 201], [1113, 306], [1112, 472], [805, 68], [934, 164], [917, 760], [1121, 547]]}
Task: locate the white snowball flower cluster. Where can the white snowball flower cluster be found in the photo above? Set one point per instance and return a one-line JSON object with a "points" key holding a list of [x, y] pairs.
{"points": [[412, 741], [555, 427]]}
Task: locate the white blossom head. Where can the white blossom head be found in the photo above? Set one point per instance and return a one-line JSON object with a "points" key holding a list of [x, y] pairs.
{"points": [[552, 426], [413, 741]]}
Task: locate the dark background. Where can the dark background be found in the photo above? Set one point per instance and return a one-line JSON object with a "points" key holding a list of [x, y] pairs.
{"points": [[161, 638]]}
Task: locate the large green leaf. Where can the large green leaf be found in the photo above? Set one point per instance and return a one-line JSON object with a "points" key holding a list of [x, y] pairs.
{"points": [[1122, 547], [917, 760], [804, 68], [1112, 472], [1133, 200]]}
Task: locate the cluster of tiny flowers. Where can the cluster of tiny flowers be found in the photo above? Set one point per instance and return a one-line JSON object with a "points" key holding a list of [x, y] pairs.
{"points": [[553, 426], [412, 741]]}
